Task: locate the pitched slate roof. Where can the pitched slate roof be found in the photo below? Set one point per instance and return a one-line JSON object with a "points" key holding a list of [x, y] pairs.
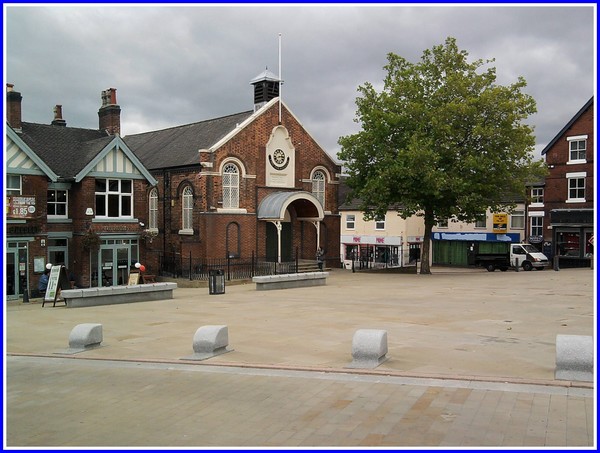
{"points": [[568, 125], [179, 146], [66, 150]]}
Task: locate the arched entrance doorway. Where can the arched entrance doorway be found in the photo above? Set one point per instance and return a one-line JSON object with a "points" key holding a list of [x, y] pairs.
{"points": [[275, 211]]}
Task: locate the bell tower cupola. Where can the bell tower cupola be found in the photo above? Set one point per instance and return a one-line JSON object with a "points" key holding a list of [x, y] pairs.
{"points": [[266, 87]]}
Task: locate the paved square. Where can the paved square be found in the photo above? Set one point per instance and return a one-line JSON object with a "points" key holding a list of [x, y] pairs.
{"points": [[472, 358]]}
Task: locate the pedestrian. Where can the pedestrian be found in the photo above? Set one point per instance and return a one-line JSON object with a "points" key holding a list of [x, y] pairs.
{"points": [[43, 283], [320, 254], [71, 277]]}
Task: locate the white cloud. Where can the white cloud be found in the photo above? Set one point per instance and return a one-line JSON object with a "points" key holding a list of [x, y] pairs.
{"points": [[176, 65]]}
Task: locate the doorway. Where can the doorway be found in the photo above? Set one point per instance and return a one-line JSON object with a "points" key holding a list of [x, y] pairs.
{"points": [[111, 266], [286, 242], [16, 269]]}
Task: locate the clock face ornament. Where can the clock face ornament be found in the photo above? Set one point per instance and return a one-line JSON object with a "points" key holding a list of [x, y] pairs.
{"points": [[279, 156], [278, 160]]}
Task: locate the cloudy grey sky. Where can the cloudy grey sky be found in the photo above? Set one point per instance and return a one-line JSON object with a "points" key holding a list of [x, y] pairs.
{"points": [[175, 65]]}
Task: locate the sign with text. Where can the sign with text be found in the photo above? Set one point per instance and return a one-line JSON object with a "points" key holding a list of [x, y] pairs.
{"points": [[57, 280], [134, 278], [500, 223], [20, 207]]}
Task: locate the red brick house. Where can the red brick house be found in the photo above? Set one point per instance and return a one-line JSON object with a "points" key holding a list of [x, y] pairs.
{"points": [[67, 189], [563, 209], [253, 183], [250, 184]]}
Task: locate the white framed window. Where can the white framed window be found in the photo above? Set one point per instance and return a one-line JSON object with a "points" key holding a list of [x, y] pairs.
{"points": [[13, 185], [153, 209], [318, 186], [380, 223], [576, 187], [536, 226], [481, 221], [517, 220], [231, 186], [187, 204], [537, 196], [57, 201], [577, 149], [350, 221], [114, 198]]}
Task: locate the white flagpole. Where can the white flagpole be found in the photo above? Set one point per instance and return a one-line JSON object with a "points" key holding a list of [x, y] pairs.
{"points": [[279, 78]]}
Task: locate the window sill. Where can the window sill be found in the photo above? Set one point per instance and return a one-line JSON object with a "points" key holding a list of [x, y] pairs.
{"points": [[114, 219], [186, 232], [576, 200], [576, 162], [232, 211], [59, 220]]}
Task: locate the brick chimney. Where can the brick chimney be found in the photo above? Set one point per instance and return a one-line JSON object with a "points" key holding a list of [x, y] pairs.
{"points": [[109, 115], [58, 119], [13, 107]]}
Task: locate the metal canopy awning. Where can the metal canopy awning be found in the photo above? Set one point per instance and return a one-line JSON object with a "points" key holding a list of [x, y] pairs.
{"points": [[273, 207]]}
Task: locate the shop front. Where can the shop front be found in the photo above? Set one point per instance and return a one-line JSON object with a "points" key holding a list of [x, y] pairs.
{"points": [[573, 236], [371, 251]]}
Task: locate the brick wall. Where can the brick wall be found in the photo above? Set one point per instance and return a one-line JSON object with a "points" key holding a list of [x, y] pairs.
{"points": [[210, 238], [556, 189]]}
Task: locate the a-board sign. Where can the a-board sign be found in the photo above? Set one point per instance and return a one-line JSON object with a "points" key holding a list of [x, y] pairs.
{"points": [[134, 278], [57, 280]]}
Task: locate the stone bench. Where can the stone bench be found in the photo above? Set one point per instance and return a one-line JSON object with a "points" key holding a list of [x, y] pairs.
{"points": [[284, 281], [87, 297]]}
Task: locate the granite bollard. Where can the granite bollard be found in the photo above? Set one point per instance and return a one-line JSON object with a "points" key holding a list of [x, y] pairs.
{"points": [[369, 348], [84, 337], [210, 341], [574, 358]]}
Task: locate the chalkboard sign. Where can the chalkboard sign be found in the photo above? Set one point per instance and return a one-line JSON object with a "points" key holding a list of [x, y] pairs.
{"points": [[134, 278], [57, 280]]}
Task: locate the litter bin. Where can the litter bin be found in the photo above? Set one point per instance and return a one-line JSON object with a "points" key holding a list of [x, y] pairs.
{"points": [[216, 282]]}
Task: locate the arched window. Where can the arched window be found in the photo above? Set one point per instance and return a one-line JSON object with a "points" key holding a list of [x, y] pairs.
{"points": [[231, 186], [187, 198], [318, 186], [153, 209]]}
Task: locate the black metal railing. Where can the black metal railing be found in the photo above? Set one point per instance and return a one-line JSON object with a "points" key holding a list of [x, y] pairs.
{"points": [[177, 265]]}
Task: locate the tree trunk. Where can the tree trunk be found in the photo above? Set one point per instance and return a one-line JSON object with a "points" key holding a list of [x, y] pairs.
{"points": [[429, 222]]}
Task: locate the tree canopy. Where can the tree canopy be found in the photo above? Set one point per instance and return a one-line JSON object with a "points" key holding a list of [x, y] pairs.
{"points": [[442, 139]]}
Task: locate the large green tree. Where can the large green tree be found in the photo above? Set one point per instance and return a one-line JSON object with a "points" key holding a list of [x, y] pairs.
{"points": [[442, 139]]}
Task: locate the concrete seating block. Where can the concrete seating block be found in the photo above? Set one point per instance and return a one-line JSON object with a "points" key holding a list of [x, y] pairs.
{"points": [[574, 358], [210, 341], [286, 281], [121, 294], [89, 292], [116, 290], [72, 292], [369, 348]]}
